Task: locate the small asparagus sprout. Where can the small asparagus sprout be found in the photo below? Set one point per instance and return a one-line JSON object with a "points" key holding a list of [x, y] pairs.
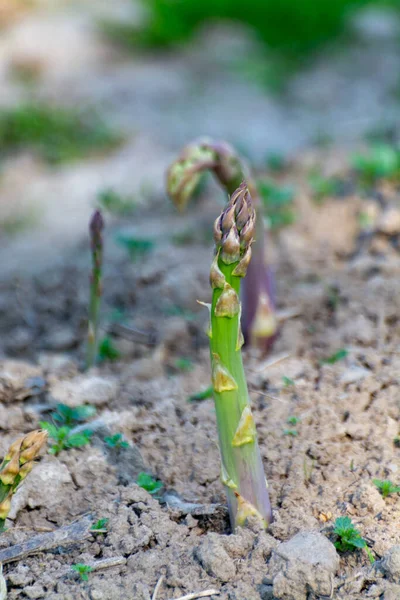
{"points": [[242, 471], [258, 294], [96, 243], [17, 464]]}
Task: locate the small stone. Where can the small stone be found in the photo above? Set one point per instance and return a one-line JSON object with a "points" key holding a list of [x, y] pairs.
{"points": [[34, 591], [214, 558], [60, 339], [146, 369], [391, 564], [13, 375], [266, 592], [47, 485], [367, 499], [20, 340], [360, 329], [392, 592], [21, 576], [306, 563], [389, 221], [354, 374], [97, 391]]}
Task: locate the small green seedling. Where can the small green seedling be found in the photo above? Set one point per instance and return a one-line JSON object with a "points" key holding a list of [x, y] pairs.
{"points": [[396, 441], [386, 487], [148, 483], [335, 357], [204, 395], [115, 203], [291, 432], [349, 538], [64, 439], [100, 526], [107, 350], [184, 364], [322, 187], [288, 381], [70, 416], [136, 247], [82, 570], [381, 161], [293, 420], [276, 161], [116, 441], [277, 202]]}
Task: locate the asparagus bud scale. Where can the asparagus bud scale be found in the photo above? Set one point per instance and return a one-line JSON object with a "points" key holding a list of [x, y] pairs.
{"points": [[17, 464]]}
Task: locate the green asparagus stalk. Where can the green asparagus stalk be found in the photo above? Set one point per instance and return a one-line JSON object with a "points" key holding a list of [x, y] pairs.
{"points": [[258, 317], [16, 465], [242, 471], [96, 243]]}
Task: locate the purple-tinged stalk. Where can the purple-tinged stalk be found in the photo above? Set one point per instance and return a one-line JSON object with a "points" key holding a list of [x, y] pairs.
{"points": [[258, 316], [242, 470], [17, 464], [96, 244]]}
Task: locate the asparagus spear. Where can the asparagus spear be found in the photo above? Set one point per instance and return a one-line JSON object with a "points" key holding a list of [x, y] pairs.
{"points": [[16, 465], [96, 244], [258, 318], [242, 471]]}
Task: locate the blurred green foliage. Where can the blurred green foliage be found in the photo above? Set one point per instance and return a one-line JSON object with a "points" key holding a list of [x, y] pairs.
{"points": [[290, 26], [277, 201], [380, 161], [56, 134]]}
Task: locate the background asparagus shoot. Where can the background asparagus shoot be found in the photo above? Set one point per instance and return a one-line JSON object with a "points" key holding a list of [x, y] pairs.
{"points": [[258, 317], [16, 465], [242, 471], [96, 244]]}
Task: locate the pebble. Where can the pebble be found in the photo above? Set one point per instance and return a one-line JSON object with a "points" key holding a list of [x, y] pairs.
{"points": [[214, 558], [306, 563]]}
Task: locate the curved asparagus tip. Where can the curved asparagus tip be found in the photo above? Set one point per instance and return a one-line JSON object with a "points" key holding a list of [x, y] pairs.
{"points": [[96, 227], [16, 465], [242, 469], [198, 157], [259, 320]]}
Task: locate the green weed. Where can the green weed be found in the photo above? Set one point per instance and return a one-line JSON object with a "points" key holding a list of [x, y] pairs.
{"points": [[136, 247], [277, 202], [57, 134], [100, 526], [82, 570], [107, 350], [148, 483], [113, 202], [116, 441], [380, 161], [348, 538], [322, 187], [204, 395], [335, 357], [64, 439], [386, 487]]}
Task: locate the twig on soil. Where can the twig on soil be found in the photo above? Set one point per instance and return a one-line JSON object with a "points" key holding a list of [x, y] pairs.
{"points": [[108, 563], [149, 338], [69, 534], [271, 362], [157, 588], [289, 313], [205, 594]]}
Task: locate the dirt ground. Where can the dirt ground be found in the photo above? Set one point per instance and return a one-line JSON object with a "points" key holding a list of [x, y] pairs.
{"points": [[339, 292]]}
